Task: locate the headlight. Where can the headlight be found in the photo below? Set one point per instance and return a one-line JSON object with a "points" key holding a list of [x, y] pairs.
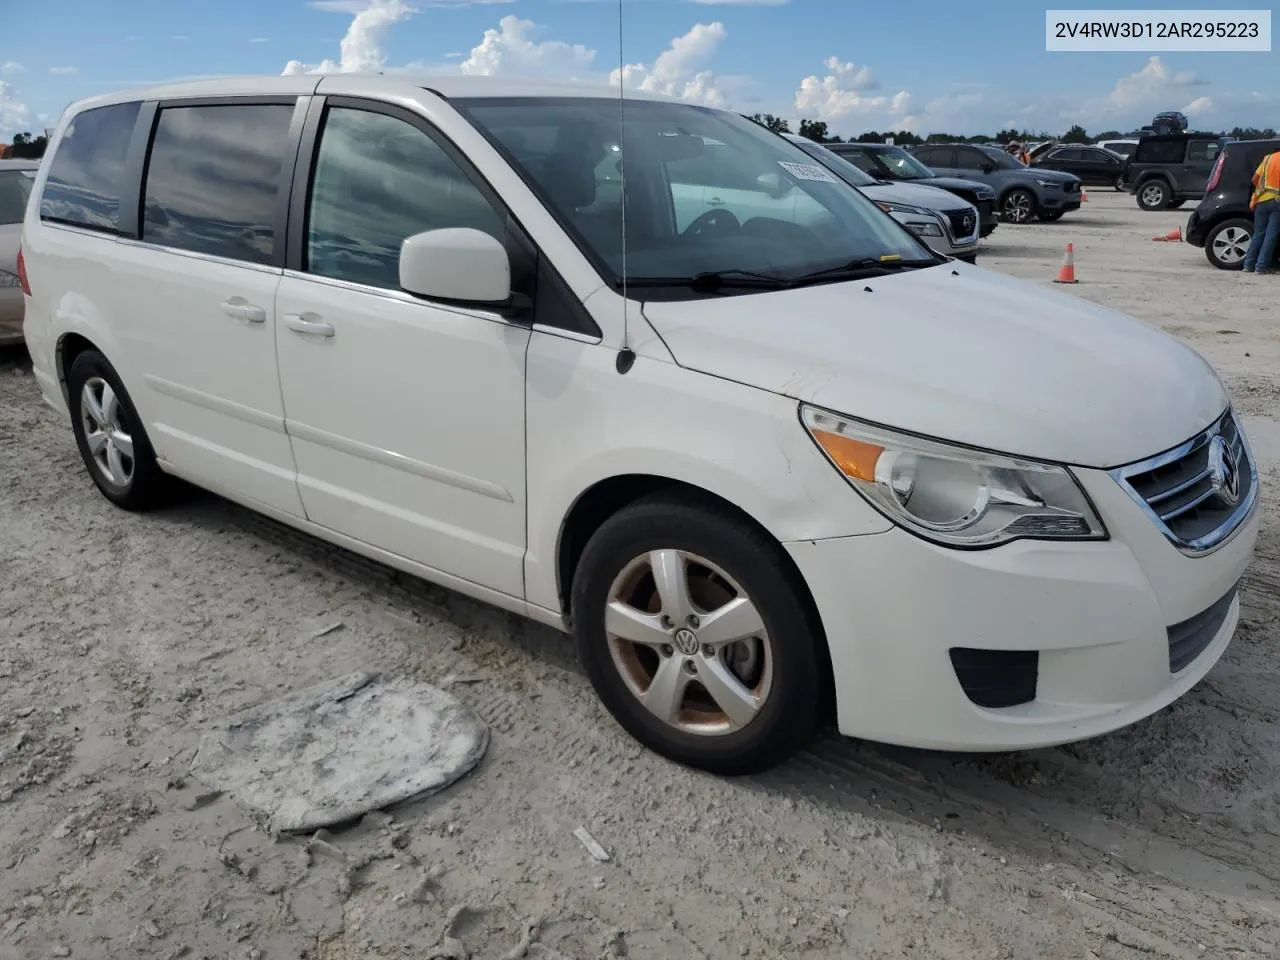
{"points": [[902, 208], [1048, 183], [8, 279], [923, 229], [951, 495]]}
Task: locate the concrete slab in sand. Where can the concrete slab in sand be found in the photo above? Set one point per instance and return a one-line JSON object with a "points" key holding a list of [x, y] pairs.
{"points": [[339, 750], [1264, 439]]}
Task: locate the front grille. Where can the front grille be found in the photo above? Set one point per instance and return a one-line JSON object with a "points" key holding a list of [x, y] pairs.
{"points": [[964, 223], [1199, 492], [1188, 639], [997, 678]]}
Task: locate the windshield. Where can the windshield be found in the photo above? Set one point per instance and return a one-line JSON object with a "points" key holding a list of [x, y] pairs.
{"points": [[892, 162], [707, 191], [836, 164], [15, 188], [1002, 159]]}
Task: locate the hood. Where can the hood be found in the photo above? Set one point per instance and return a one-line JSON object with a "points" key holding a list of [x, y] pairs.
{"points": [[955, 183], [962, 354], [1039, 173], [915, 194]]}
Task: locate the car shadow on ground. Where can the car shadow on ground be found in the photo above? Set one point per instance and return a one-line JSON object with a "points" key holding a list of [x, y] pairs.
{"points": [[1076, 804]]}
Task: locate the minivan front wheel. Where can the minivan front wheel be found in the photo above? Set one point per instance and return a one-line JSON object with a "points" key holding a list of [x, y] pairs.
{"points": [[1019, 206], [109, 434], [695, 637], [1228, 242]]}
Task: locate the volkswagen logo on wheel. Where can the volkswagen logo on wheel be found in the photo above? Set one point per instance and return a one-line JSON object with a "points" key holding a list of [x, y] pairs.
{"points": [[1224, 471]]}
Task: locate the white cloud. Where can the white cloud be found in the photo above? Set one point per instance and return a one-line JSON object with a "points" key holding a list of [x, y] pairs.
{"points": [[10, 68], [844, 91], [513, 49], [259, 39], [13, 113], [1148, 86], [676, 71], [63, 71], [361, 46]]}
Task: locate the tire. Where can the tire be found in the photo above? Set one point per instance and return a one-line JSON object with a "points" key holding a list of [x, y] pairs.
{"points": [[1154, 195], [1226, 243], [1051, 216], [1018, 206], [772, 706], [1118, 184], [109, 433]]}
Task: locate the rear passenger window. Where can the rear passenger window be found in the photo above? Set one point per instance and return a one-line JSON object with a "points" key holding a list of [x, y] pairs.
{"points": [[87, 172], [377, 181], [1161, 151], [15, 187], [214, 179], [1200, 150]]}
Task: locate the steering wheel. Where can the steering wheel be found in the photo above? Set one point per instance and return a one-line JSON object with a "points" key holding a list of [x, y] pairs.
{"points": [[713, 221]]}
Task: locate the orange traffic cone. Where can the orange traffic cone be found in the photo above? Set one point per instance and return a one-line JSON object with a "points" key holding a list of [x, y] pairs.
{"points": [[1067, 272], [1084, 195], [1173, 236]]}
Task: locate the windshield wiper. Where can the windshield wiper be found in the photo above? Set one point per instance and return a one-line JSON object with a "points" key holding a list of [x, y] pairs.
{"points": [[862, 269], [711, 281]]}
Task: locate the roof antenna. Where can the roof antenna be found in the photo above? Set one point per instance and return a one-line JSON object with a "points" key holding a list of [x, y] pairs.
{"points": [[626, 356]]}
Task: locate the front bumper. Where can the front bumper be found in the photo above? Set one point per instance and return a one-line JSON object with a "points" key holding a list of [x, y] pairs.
{"points": [[1197, 230], [1066, 202], [1098, 615]]}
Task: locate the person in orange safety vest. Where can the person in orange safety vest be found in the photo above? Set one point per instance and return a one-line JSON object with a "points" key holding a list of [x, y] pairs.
{"points": [[1265, 204]]}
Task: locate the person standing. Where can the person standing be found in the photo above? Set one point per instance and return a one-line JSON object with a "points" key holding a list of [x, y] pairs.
{"points": [[1265, 204]]}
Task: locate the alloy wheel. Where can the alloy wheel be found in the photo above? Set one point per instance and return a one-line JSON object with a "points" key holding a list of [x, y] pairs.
{"points": [[1231, 244], [1153, 196], [1018, 208], [689, 643], [105, 432]]}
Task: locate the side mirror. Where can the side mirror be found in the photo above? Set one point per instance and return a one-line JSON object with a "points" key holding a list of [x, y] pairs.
{"points": [[461, 265], [773, 184], [988, 168]]}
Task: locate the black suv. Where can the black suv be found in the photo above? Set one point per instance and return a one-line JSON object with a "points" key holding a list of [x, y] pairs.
{"points": [[884, 161], [1167, 171], [1223, 223]]}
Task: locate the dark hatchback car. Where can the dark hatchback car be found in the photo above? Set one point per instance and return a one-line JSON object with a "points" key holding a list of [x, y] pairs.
{"points": [[1094, 166], [885, 161], [1222, 223], [1167, 171]]}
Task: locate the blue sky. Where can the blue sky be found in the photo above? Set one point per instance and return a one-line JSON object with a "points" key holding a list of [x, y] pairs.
{"points": [[930, 66]]}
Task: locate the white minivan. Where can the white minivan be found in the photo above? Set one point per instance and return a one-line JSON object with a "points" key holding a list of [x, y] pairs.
{"points": [[762, 468]]}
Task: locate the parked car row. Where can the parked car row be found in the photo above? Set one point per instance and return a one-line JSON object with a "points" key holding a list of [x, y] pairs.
{"points": [[16, 177], [947, 224], [769, 458]]}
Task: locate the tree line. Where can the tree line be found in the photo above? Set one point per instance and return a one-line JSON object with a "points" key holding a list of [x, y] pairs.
{"points": [[817, 131], [27, 147]]}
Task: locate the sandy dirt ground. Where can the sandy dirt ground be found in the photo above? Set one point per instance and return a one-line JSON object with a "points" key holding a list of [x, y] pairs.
{"points": [[123, 637]]}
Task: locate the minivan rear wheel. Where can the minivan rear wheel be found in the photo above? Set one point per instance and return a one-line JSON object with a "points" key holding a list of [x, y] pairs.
{"points": [[694, 634], [109, 433], [1227, 243]]}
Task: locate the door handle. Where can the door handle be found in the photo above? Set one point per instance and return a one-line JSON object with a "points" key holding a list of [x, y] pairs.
{"points": [[309, 324], [242, 309]]}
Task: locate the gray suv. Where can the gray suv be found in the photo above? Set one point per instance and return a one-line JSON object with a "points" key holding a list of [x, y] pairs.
{"points": [[1022, 193]]}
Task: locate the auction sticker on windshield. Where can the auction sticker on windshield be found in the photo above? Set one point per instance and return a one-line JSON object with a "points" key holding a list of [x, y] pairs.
{"points": [[804, 171]]}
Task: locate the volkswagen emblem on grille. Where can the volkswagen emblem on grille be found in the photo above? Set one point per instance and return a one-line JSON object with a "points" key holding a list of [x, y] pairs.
{"points": [[1224, 471], [967, 222]]}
